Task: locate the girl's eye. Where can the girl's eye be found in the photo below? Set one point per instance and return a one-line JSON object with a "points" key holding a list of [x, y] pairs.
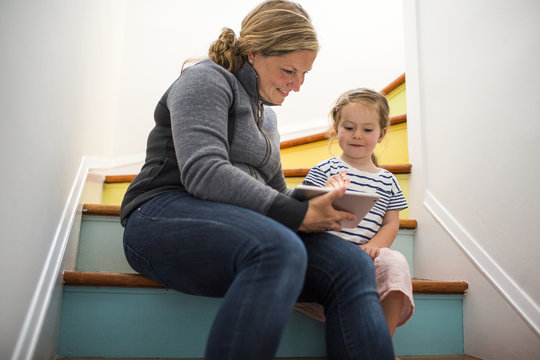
{"points": [[368, 130], [348, 128]]}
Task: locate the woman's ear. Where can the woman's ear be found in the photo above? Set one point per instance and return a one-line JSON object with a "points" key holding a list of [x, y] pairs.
{"points": [[251, 57], [381, 136]]}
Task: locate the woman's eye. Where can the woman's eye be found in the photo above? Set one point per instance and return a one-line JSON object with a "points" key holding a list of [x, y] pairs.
{"points": [[288, 72]]}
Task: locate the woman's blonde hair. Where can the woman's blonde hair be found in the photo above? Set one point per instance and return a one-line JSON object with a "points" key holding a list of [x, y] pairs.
{"points": [[365, 97], [273, 28]]}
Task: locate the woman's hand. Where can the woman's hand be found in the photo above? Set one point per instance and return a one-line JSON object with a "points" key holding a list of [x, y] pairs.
{"points": [[322, 216], [372, 250], [339, 180]]}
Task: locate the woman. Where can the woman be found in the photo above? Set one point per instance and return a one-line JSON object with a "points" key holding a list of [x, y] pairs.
{"points": [[210, 214]]}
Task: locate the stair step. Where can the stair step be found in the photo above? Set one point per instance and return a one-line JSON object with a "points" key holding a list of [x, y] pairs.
{"points": [[87, 278], [440, 357], [114, 210], [101, 248], [127, 315], [408, 357], [297, 172]]}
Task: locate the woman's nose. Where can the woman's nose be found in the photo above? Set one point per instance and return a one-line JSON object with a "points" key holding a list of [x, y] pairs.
{"points": [[296, 83]]}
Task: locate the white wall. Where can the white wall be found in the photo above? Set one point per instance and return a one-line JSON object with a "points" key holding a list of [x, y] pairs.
{"points": [[474, 142], [361, 45], [58, 95]]}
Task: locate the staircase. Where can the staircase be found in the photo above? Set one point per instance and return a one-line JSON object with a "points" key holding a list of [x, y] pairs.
{"points": [[111, 312]]}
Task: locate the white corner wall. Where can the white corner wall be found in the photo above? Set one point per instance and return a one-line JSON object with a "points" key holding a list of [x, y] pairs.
{"points": [[58, 69], [474, 139]]}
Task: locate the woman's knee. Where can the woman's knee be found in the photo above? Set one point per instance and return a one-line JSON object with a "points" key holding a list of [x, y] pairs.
{"points": [[287, 250], [353, 260], [342, 263]]}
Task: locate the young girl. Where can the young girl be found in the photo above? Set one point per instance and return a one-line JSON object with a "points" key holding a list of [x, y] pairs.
{"points": [[360, 121]]}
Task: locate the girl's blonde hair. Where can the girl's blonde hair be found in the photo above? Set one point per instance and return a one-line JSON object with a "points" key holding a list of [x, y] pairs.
{"points": [[273, 28], [365, 97]]}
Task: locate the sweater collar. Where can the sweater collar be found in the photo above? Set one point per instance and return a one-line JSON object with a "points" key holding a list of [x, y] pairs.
{"points": [[250, 81]]}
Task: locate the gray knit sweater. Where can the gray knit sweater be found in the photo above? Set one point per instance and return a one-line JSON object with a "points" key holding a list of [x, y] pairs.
{"points": [[216, 139]]}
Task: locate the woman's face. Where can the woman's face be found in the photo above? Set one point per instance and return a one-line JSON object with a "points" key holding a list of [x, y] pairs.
{"points": [[278, 75]]}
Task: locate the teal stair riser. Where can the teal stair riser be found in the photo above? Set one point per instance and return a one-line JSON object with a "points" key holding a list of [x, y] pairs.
{"points": [[100, 245], [157, 323]]}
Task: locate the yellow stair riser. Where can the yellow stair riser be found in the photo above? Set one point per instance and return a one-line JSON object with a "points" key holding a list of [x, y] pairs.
{"points": [[397, 100], [114, 192], [394, 147], [392, 150]]}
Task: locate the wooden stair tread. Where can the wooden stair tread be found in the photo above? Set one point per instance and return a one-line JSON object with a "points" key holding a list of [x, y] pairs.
{"points": [[298, 172], [393, 168], [439, 357], [114, 210], [408, 357], [86, 278], [394, 84]]}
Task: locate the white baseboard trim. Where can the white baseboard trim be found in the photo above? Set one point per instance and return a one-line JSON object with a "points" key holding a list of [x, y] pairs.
{"points": [[37, 312], [51, 274], [509, 290]]}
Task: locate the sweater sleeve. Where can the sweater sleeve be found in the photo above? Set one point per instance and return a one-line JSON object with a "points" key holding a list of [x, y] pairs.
{"points": [[199, 104]]}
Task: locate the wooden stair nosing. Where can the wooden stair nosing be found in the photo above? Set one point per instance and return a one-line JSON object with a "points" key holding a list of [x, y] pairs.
{"points": [[393, 168], [111, 179], [99, 279], [101, 209], [114, 210], [394, 120], [393, 85], [295, 172], [408, 357]]}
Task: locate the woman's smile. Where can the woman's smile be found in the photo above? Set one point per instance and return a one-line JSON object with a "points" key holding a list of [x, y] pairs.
{"points": [[279, 75]]}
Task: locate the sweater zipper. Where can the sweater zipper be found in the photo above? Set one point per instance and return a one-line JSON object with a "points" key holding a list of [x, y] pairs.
{"points": [[268, 146]]}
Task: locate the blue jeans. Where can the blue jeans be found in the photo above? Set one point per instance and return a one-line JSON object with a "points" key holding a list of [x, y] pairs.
{"points": [[261, 269]]}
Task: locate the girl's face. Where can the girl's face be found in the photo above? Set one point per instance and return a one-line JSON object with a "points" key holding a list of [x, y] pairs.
{"points": [[358, 132], [279, 75]]}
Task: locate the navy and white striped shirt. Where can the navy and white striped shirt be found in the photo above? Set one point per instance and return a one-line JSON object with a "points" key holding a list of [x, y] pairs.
{"points": [[382, 183]]}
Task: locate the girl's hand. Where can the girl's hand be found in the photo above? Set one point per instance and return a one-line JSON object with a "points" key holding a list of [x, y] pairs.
{"points": [[322, 216], [372, 250], [338, 180]]}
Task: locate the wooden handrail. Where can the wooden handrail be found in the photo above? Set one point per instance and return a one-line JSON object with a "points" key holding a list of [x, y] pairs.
{"points": [[393, 85], [85, 278]]}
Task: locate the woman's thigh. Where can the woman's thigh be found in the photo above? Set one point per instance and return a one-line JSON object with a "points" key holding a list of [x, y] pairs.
{"points": [[199, 247]]}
